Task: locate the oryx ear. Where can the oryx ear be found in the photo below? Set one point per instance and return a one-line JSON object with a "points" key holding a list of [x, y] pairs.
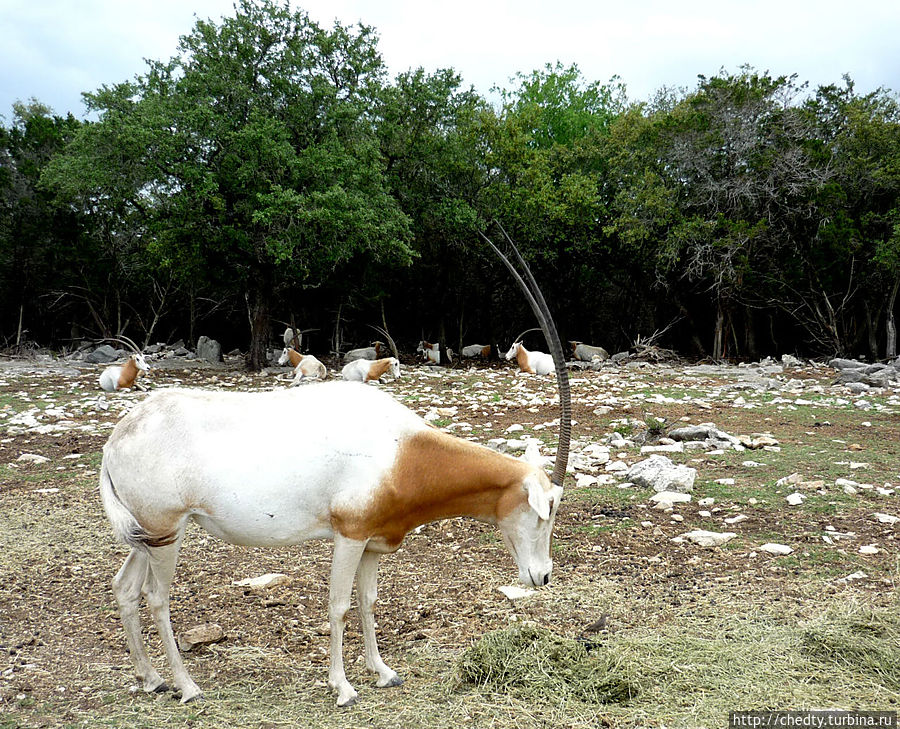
{"points": [[538, 499], [532, 455]]}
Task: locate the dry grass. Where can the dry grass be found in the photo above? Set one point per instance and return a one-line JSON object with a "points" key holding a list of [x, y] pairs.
{"points": [[531, 662], [699, 633]]}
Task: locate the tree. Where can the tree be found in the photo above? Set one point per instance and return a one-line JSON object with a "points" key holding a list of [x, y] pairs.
{"points": [[431, 137], [252, 155], [38, 237], [547, 156]]}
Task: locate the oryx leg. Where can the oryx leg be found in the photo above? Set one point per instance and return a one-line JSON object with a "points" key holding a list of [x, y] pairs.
{"points": [[127, 586], [347, 554], [156, 589], [367, 593]]}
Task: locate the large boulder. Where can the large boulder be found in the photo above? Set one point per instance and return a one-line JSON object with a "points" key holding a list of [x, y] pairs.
{"points": [[104, 354], [661, 474], [209, 350]]}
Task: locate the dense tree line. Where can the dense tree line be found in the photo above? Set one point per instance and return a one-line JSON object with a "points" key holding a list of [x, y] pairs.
{"points": [[271, 173]]}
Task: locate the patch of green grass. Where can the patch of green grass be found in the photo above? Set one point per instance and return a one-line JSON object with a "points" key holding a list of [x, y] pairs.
{"points": [[595, 527], [822, 561]]}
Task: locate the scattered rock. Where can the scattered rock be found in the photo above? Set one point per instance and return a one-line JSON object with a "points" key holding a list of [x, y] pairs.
{"points": [[886, 518], [774, 548], [661, 474], [860, 575], [795, 499], [704, 538], [104, 354], [869, 549], [32, 458], [209, 350], [514, 592], [200, 635], [264, 582]]}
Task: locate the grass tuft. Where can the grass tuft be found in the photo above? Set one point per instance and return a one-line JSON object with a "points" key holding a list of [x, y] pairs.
{"points": [[532, 662], [858, 638]]}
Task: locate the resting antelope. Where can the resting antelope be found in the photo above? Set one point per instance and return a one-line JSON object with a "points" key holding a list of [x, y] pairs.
{"points": [[586, 353], [373, 352], [537, 363], [305, 365], [431, 353], [363, 370], [364, 472], [485, 351], [120, 377]]}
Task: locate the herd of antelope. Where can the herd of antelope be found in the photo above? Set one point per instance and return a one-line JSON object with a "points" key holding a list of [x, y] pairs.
{"points": [[364, 471]]}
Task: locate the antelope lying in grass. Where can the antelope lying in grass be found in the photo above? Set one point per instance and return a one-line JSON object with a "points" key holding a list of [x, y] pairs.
{"points": [[586, 353], [485, 351], [537, 363], [121, 377], [364, 472], [362, 370], [306, 366], [431, 353], [376, 351]]}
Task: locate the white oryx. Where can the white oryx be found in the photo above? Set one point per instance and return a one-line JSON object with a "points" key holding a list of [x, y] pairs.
{"points": [[364, 370], [373, 352], [537, 363], [430, 352], [120, 377], [586, 353], [306, 366], [478, 350], [364, 472]]}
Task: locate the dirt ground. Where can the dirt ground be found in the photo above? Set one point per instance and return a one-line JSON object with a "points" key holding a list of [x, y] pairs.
{"points": [[63, 661]]}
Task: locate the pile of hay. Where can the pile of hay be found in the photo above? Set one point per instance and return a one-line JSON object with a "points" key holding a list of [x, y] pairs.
{"points": [[534, 663], [858, 638]]}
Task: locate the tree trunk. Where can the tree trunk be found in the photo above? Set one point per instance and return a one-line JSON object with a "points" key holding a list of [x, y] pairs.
{"points": [[891, 326], [258, 356], [719, 337]]}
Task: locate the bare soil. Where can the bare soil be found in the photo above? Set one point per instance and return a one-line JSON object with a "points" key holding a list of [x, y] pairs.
{"points": [[62, 653]]}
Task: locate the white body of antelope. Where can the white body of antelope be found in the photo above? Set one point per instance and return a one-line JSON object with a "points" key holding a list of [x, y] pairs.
{"points": [[477, 350], [537, 363], [362, 370], [120, 377], [363, 472], [306, 366], [431, 353], [586, 353], [373, 352]]}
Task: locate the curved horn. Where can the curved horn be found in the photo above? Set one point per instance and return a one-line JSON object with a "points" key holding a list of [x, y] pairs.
{"points": [[122, 339], [542, 312], [390, 340], [533, 329]]}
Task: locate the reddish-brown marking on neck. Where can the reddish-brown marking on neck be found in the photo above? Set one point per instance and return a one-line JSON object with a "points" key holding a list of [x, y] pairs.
{"points": [[486, 352], [378, 368], [294, 357], [436, 476], [522, 359], [128, 374], [574, 348]]}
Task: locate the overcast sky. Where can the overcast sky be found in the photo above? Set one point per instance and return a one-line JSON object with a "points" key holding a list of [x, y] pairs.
{"points": [[55, 49]]}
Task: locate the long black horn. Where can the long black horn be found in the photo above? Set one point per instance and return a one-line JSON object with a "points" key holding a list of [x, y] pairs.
{"points": [[542, 312], [533, 329], [122, 339], [390, 340]]}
